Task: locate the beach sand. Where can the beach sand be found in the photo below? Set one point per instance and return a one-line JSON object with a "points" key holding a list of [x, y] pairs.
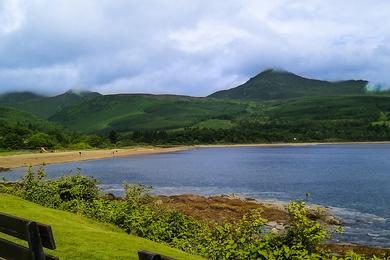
{"points": [[21, 160]]}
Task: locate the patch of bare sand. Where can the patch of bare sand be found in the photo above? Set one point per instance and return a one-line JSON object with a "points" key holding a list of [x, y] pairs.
{"points": [[21, 160]]}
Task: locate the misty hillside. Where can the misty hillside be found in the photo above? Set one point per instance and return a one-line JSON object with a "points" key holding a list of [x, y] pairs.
{"points": [[276, 84], [43, 106]]}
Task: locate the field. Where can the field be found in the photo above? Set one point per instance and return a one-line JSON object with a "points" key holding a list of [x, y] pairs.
{"points": [[80, 238]]}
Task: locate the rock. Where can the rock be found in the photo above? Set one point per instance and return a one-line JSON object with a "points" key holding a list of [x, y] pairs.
{"points": [[109, 196], [279, 227], [272, 224], [333, 221], [4, 169]]}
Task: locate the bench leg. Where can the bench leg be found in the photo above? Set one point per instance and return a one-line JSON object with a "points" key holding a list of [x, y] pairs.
{"points": [[34, 241]]}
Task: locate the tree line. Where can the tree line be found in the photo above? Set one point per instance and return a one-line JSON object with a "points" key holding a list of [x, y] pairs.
{"points": [[29, 137]]}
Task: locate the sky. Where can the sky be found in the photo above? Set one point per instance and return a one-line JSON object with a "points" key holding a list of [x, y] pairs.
{"points": [[190, 47]]}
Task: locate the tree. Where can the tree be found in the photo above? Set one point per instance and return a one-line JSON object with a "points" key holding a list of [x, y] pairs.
{"points": [[40, 140], [113, 136], [12, 141]]}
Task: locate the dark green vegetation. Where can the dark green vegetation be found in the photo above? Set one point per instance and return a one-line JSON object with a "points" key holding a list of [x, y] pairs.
{"points": [[139, 213], [126, 113], [274, 84], [43, 106], [20, 130], [274, 106]]}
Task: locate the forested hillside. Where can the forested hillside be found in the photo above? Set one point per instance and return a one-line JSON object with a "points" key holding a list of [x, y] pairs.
{"points": [[274, 106]]}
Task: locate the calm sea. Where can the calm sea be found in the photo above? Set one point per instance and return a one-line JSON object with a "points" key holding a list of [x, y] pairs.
{"points": [[353, 180]]}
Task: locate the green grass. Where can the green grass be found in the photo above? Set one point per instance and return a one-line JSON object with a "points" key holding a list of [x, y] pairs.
{"points": [[78, 237], [8, 153], [215, 124]]}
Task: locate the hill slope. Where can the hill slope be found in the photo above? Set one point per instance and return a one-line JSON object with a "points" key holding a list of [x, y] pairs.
{"points": [[12, 117], [44, 106], [18, 97], [369, 108], [274, 84], [145, 112], [80, 238]]}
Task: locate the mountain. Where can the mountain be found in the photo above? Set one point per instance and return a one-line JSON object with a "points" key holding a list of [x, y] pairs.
{"points": [[271, 96], [45, 106], [18, 97], [129, 112], [276, 84]]}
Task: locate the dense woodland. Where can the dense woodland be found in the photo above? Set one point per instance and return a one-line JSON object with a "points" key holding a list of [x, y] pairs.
{"points": [[29, 137]]}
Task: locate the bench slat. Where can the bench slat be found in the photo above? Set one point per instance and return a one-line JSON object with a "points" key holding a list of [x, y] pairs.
{"points": [[11, 250], [13, 226], [17, 227]]}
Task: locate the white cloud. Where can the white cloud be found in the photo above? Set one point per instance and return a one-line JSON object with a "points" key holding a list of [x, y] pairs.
{"points": [[207, 36], [187, 47], [11, 16]]}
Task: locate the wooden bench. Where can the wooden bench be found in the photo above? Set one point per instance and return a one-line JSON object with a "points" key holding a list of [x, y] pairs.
{"points": [[146, 255], [37, 235]]}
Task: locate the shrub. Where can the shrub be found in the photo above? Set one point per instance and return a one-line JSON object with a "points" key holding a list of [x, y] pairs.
{"points": [[65, 193]]}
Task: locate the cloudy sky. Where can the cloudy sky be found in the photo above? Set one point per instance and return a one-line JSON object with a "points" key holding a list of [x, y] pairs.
{"points": [[187, 47]]}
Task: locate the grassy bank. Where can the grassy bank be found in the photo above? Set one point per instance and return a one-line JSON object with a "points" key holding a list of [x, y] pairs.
{"points": [[81, 238]]}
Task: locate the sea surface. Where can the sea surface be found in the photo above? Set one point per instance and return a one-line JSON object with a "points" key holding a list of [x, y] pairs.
{"points": [[352, 180]]}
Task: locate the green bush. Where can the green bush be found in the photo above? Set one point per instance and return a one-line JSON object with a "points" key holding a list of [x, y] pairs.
{"points": [[67, 192]]}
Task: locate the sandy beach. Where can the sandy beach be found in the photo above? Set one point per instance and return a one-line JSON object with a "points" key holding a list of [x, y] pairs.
{"points": [[21, 160]]}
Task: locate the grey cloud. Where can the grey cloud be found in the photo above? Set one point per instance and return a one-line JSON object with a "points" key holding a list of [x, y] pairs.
{"points": [[186, 47]]}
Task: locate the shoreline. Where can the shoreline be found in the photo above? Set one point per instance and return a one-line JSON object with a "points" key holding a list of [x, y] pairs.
{"points": [[22, 160], [34, 159]]}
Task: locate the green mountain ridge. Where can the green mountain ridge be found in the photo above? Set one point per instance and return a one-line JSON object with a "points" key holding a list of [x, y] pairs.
{"points": [[275, 84], [44, 106], [271, 96], [18, 97]]}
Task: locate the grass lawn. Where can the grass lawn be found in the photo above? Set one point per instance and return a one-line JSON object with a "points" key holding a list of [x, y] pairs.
{"points": [[7, 153], [78, 237]]}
